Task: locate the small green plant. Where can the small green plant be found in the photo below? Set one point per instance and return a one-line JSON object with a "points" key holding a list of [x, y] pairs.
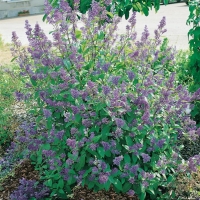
{"points": [[24, 12]]}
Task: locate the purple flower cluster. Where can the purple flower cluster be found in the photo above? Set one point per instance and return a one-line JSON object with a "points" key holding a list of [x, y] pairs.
{"points": [[117, 160], [103, 178], [146, 157], [71, 143], [119, 122], [29, 189]]}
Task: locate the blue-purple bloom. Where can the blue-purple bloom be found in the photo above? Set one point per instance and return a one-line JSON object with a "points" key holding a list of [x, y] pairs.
{"points": [[119, 122], [131, 193], [160, 143], [87, 123], [60, 134], [162, 23], [131, 180], [133, 169], [117, 160], [93, 146], [71, 143], [105, 67], [75, 93], [115, 80], [146, 157], [132, 20], [131, 75], [103, 178], [29, 189], [106, 90], [105, 145]]}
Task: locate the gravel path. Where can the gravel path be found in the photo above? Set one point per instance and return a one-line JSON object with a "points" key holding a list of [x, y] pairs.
{"points": [[176, 15]]}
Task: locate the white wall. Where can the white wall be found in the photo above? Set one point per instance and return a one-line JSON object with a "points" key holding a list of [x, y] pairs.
{"points": [[10, 8]]}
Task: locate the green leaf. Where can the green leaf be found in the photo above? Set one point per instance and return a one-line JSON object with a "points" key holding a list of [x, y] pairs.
{"points": [[46, 147], [101, 36], [56, 176], [118, 184], [150, 191], [101, 151], [67, 63], [34, 83], [78, 34], [170, 179], [129, 141], [111, 179], [61, 191], [44, 17], [96, 138], [91, 185], [78, 117], [145, 10], [39, 159], [33, 157], [134, 158], [107, 185], [142, 196], [49, 123], [105, 132], [127, 158], [49, 183], [87, 172], [71, 180], [108, 153], [14, 58], [166, 2], [110, 14], [92, 152], [81, 162], [61, 183], [126, 187]]}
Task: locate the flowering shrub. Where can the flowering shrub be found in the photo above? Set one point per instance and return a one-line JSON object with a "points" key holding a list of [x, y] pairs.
{"points": [[112, 117]]}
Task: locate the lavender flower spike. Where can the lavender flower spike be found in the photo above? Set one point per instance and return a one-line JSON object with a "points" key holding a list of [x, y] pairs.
{"points": [[117, 160]]}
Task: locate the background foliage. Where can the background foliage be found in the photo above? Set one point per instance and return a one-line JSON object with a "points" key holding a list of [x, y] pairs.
{"points": [[122, 7], [194, 64]]}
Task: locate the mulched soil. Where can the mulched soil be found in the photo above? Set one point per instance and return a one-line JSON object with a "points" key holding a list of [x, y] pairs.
{"points": [[83, 193], [24, 170]]}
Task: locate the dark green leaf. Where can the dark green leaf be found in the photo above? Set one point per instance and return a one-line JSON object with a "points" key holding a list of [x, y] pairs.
{"points": [[129, 141], [127, 158], [46, 147], [118, 184], [81, 162], [14, 58], [61, 183], [126, 187], [101, 151]]}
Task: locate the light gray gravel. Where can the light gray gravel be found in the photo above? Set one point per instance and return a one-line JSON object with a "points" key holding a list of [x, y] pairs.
{"points": [[176, 15]]}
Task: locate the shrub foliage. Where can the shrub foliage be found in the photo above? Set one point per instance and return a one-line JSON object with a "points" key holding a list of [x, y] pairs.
{"points": [[194, 65], [111, 115]]}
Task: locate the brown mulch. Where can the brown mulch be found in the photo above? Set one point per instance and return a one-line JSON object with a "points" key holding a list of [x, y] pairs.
{"points": [[24, 170], [83, 193]]}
